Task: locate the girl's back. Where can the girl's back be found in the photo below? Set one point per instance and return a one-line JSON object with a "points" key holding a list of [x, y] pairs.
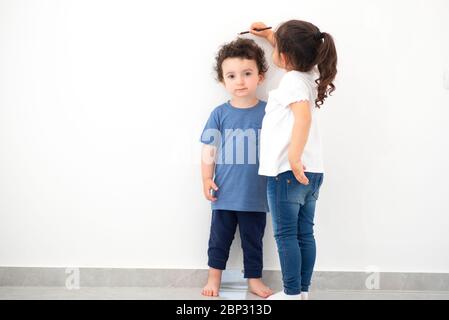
{"points": [[278, 123]]}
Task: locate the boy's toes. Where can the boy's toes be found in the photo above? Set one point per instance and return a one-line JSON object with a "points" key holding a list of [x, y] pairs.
{"points": [[205, 292], [210, 292]]}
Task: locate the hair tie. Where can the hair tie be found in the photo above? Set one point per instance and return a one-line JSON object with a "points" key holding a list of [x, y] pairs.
{"points": [[319, 35]]}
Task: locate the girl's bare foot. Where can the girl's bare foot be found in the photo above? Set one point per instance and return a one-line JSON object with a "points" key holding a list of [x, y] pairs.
{"points": [[257, 287], [213, 283]]}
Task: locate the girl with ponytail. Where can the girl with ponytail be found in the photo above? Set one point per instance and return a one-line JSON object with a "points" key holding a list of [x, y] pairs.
{"points": [[290, 144]]}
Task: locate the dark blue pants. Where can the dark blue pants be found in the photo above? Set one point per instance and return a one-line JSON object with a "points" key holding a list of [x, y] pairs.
{"points": [[222, 231]]}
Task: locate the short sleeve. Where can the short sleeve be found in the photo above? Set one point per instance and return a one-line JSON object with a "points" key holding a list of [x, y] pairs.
{"points": [[293, 89], [211, 133]]}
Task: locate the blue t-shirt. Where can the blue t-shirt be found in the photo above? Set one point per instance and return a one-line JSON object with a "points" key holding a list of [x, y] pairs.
{"points": [[235, 132]]}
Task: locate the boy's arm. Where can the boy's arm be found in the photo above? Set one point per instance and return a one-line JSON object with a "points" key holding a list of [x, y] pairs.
{"points": [[300, 134], [207, 170]]}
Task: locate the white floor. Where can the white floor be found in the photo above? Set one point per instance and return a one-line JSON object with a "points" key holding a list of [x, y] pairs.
{"points": [[151, 293]]}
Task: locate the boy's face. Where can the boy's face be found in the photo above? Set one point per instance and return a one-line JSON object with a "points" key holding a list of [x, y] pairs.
{"points": [[240, 76]]}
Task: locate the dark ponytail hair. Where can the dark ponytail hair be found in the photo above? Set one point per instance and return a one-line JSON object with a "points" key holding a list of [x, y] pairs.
{"points": [[305, 47]]}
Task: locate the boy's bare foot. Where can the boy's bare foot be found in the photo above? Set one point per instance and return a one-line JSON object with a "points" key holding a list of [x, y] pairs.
{"points": [[213, 283], [257, 287]]}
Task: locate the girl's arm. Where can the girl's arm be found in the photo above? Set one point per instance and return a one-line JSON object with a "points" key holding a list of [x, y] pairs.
{"points": [[300, 134], [267, 34], [207, 170]]}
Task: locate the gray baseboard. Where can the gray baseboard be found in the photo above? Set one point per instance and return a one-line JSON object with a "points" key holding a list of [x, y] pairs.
{"points": [[118, 277]]}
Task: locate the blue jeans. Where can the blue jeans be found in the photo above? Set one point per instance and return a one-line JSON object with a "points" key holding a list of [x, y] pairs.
{"points": [[292, 207]]}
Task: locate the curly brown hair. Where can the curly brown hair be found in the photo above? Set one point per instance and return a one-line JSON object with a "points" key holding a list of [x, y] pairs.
{"points": [[305, 47], [241, 48]]}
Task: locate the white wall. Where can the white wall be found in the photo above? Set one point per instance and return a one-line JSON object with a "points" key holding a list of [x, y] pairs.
{"points": [[102, 104]]}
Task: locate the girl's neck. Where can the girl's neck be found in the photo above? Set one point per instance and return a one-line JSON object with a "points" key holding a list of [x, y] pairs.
{"points": [[244, 102]]}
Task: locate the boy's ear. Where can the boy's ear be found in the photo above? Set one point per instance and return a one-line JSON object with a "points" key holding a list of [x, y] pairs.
{"points": [[261, 78]]}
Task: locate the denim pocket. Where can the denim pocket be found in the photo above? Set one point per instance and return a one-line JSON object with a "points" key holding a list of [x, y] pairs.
{"points": [[316, 194], [295, 191]]}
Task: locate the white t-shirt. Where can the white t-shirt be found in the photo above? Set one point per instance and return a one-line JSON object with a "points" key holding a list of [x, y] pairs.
{"points": [[278, 123]]}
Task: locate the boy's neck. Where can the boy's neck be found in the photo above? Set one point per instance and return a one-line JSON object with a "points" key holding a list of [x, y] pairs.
{"points": [[244, 102]]}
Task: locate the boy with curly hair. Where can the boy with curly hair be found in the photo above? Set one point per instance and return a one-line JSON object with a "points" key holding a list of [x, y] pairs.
{"points": [[230, 166]]}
